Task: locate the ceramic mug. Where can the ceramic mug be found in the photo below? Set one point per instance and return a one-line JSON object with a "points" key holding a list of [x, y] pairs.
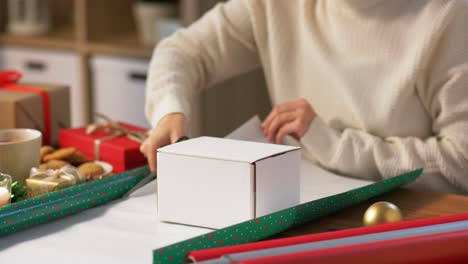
{"points": [[19, 152]]}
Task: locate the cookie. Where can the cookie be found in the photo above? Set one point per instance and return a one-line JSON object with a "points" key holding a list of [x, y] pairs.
{"points": [[56, 164], [76, 158], [45, 150], [53, 165], [91, 170], [60, 154]]}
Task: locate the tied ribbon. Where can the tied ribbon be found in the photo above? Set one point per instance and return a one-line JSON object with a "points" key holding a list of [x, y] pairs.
{"points": [[8, 80], [116, 131], [39, 180]]}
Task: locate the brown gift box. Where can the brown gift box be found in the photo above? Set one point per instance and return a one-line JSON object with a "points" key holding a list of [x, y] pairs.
{"points": [[25, 110]]}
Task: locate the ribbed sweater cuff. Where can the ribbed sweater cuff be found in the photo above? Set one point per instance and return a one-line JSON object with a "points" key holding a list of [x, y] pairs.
{"points": [[320, 141]]}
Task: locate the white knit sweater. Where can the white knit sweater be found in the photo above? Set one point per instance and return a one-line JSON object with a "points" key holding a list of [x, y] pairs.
{"points": [[388, 79]]}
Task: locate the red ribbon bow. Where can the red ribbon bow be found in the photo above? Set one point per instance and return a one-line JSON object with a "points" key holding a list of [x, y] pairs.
{"points": [[8, 80], [9, 77]]}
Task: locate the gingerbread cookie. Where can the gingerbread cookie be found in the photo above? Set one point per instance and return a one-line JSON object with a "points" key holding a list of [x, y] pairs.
{"points": [[45, 150], [60, 154], [56, 164], [91, 170], [76, 158], [53, 165]]}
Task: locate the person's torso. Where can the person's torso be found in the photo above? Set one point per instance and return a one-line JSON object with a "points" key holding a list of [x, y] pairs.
{"points": [[358, 68]]}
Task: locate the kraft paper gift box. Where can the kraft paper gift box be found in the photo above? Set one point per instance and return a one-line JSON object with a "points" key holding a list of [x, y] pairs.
{"points": [[215, 182], [24, 108]]}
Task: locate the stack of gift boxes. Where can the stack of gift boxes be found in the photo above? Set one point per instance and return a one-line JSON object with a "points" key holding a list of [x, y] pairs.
{"points": [[46, 108]]}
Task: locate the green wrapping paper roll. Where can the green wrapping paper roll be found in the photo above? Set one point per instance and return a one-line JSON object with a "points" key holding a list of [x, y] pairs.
{"points": [[275, 223], [45, 208]]}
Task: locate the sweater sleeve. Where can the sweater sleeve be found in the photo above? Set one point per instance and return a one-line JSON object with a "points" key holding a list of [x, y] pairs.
{"points": [[218, 46], [443, 89]]}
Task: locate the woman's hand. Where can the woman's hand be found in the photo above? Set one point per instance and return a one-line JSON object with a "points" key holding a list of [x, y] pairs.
{"points": [[291, 118], [169, 129]]}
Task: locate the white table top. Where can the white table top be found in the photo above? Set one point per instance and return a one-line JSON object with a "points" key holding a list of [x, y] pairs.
{"points": [[126, 231]]}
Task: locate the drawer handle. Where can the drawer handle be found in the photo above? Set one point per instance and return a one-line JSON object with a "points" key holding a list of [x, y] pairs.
{"points": [[35, 66], [136, 76]]}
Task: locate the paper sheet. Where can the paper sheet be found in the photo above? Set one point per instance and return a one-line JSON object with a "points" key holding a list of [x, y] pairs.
{"points": [[126, 231], [249, 131]]}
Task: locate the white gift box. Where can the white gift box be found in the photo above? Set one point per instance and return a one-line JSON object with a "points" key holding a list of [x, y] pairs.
{"points": [[215, 182]]}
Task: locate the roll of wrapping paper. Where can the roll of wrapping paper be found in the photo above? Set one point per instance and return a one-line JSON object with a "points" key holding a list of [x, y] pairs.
{"points": [[217, 253], [45, 208], [340, 242], [274, 223], [449, 247]]}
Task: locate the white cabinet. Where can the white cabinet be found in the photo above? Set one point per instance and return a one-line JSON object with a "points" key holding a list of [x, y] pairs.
{"points": [[46, 66], [119, 88]]}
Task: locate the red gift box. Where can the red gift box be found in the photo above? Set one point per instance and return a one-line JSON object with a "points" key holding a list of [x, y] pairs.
{"points": [[121, 152]]}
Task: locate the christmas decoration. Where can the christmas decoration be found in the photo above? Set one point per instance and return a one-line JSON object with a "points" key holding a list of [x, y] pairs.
{"points": [[19, 192], [382, 212]]}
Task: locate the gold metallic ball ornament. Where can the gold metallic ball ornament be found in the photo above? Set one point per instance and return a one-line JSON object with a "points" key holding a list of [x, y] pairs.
{"points": [[382, 212]]}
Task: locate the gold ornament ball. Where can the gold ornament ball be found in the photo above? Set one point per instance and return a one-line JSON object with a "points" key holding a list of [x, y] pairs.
{"points": [[382, 212]]}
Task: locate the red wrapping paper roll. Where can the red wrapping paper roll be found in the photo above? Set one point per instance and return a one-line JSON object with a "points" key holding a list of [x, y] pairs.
{"points": [[207, 254], [450, 247]]}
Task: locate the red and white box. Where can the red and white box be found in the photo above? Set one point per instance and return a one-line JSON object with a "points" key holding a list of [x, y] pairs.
{"points": [[121, 152]]}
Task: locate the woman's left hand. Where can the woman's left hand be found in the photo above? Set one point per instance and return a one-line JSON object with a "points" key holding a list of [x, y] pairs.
{"points": [[291, 118]]}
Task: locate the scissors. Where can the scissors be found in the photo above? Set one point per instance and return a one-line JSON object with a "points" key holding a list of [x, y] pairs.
{"points": [[148, 177]]}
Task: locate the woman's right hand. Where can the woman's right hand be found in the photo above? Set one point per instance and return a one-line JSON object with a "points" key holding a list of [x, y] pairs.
{"points": [[169, 129]]}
